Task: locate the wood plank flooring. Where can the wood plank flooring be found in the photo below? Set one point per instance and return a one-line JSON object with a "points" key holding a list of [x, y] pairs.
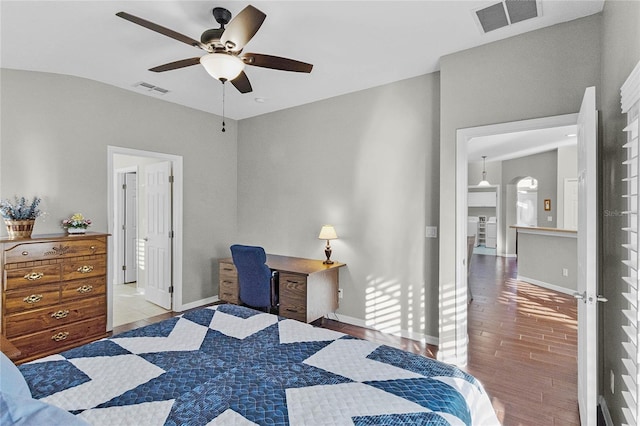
{"points": [[522, 345]]}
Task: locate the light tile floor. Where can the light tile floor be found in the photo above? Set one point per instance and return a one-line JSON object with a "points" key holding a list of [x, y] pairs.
{"points": [[129, 305]]}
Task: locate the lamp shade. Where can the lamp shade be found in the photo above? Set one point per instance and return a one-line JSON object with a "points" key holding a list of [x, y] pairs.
{"points": [[328, 233], [222, 66]]}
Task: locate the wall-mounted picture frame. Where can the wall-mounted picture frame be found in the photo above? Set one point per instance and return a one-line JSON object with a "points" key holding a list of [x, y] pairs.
{"points": [[547, 205]]}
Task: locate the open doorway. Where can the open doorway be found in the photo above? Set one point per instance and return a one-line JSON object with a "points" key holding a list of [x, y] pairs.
{"points": [[145, 222], [453, 337]]}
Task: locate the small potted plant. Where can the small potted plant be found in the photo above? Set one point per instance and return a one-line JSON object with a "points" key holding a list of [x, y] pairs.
{"points": [[20, 216], [76, 224]]}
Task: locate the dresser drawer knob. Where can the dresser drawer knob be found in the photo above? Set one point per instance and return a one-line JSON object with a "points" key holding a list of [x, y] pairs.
{"points": [[25, 253], [291, 310], [85, 289], [85, 269], [60, 336], [33, 276], [34, 298], [93, 248], [60, 314]]}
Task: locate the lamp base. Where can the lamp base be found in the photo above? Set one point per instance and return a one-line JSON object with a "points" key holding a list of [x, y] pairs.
{"points": [[327, 252]]}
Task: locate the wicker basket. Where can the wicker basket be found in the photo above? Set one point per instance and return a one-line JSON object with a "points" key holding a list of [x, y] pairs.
{"points": [[19, 228]]}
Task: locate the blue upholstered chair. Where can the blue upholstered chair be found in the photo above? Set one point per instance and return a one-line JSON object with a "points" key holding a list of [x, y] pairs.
{"points": [[257, 284]]}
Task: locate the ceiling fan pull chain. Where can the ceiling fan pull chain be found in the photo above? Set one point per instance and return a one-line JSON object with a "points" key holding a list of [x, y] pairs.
{"points": [[223, 124]]}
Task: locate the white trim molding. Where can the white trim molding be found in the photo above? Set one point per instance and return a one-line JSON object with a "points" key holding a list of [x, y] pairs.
{"points": [[177, 213]]}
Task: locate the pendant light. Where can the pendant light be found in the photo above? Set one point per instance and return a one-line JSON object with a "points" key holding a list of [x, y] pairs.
{"points": [[484, 181]]}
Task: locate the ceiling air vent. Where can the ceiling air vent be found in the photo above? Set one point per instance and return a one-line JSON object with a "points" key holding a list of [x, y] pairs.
{"points": [[151, 88], [506, 13]]}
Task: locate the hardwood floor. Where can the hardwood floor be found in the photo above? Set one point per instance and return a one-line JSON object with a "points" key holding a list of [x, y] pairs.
{"points": [[522, 345]]}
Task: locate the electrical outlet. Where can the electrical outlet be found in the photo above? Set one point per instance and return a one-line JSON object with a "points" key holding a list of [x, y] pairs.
{"points": [[431, 232], [565, 272], [549, 218], [339, 293], [612, 381]]}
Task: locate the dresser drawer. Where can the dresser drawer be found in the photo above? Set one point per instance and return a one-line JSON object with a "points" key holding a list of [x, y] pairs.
{"points": [[26, 252], [80, 289], [54, 316], [91, 266], [33, 276], [293, 296], [59, 338], [33, 298]]}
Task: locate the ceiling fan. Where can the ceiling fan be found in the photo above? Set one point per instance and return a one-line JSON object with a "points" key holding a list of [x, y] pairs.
{"points": [[225, 60]]}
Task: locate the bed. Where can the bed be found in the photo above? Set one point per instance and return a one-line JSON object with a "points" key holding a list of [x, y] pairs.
{"points": [[231, 365]]}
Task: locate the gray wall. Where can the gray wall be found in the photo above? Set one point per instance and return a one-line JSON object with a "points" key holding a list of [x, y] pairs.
{"points": [[367, 163], [620, 53], [538, 264], [541, 166], [54, 137], [539, 74]]}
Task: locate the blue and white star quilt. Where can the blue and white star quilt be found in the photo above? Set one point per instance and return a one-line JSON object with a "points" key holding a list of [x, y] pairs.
{"points": [[230, 365]]}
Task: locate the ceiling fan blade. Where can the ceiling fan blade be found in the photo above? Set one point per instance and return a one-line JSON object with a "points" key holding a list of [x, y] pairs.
{"points": [[242, 28], [241, 82], [162, 30], [176, 65], [276, 62]]}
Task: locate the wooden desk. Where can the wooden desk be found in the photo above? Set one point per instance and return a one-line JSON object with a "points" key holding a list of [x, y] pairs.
{"points": [[308, 288]]}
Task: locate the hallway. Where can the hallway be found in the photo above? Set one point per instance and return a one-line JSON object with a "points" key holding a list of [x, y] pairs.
{"points": [[130, 305], [522, 345]]}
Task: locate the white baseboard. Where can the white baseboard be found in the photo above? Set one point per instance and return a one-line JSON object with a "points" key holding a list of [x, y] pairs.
{"points": [[430, 340], [197, 304], [546, 285], [605, 411]]}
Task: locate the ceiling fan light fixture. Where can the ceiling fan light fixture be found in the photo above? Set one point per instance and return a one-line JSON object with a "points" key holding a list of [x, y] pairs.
{"points": [[222, 66]]}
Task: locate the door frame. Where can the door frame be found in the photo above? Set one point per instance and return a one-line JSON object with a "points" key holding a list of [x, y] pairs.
{"points": [[118, 220], [453, 338], [177, 207]]}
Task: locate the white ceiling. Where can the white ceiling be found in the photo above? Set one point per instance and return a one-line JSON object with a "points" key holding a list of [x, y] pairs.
{"points": [[507, 146], [353, 45]]}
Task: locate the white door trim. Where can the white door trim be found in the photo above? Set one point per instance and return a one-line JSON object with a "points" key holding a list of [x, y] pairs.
{"points": [[178, 192], [116, 232], [453, 322]]}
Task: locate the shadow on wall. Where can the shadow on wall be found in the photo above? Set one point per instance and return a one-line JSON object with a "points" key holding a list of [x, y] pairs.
{"points": [[392, 309]]}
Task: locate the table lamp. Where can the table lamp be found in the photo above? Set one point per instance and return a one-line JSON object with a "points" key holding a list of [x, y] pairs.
{"points": [[328, 233]]}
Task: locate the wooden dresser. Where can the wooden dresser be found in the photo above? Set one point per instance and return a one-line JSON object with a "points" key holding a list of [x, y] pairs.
{"points": [[308, 289], [53, 292]]}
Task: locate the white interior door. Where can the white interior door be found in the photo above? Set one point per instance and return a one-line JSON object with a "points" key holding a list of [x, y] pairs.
{"points": [[571, 204], [130, 228], [587, 260], [158, 234]]}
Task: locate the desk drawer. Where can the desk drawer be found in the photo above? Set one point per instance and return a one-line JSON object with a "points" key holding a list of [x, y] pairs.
{"points": [[228, 290], [31, 298], [27, 252], [293, 296], [54, 316], [31, 276]]}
